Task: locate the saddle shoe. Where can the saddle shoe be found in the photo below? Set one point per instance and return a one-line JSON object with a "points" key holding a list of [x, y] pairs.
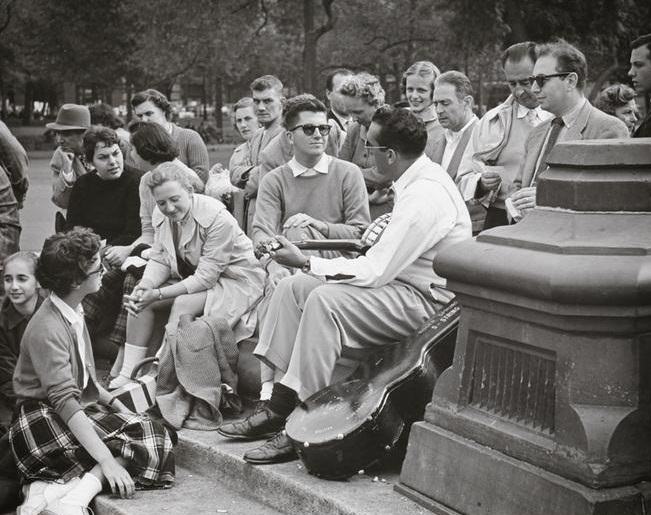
{"points": [[262, 423], [38, 494], [278, 449], [62, 508]]}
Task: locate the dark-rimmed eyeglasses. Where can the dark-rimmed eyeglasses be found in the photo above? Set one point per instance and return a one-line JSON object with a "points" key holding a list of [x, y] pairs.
{"points": [[308, 129], [99, 270], [542, 78], [375, 147]]}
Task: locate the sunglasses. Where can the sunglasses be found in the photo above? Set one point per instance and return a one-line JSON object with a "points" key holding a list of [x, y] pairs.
{"points": [[542, 79], [308, 129]]}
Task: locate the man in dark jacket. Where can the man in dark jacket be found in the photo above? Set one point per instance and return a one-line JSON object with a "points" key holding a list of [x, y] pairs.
{"points": [[640, 74]]}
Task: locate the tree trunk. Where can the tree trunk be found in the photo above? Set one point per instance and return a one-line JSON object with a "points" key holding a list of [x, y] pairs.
{"points": [[309, 50], [29, 103], [219, 102], [515, 21]]}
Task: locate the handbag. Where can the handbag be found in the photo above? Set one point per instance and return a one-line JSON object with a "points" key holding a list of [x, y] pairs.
{"points": [[140, 394]]}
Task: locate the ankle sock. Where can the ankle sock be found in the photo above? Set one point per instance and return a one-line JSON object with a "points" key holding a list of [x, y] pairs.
{"points": [[84, 491], [133, 354], [117, 364], [265, 390], [283, 400]]}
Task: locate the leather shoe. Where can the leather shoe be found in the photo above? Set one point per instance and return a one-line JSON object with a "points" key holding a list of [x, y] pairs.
{"points": [[260, 424], [276, 450]]}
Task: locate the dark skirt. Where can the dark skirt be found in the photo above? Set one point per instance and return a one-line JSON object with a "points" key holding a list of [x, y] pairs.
{"points": [[45, 449]]}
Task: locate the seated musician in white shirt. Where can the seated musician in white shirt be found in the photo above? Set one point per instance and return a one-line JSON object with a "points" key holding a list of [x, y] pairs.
{"points": [[376, 299]]}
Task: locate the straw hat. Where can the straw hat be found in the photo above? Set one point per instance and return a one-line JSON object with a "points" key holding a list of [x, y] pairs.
{"points": [[71, 117]]}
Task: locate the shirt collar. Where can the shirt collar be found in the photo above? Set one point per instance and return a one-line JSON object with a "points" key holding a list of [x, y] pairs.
{"points": [[523, 111], [321, 167], [74, 316], [570, 118], [344, 121], [451, 136]]}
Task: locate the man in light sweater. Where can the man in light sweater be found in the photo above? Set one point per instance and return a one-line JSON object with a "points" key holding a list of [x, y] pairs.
{"points": [[314, 195], [375, 299]]}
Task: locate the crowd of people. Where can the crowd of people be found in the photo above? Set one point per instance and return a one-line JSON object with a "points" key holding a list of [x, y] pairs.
{"points": [[139, 247]]}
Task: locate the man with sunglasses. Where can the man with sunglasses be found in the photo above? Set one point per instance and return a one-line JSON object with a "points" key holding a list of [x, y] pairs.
{"points": [[314, 195], [371, 300], [498, 139], [559, 77]]}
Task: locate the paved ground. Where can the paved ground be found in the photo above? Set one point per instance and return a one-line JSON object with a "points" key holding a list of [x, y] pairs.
{"points": [[37, 217]]}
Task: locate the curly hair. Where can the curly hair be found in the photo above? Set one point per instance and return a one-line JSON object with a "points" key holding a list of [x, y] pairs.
{"points": [[365, 86], [425, 70], [65, 258], [102, 114], [98, 134], [152, 142], [167, 172], [617, 95], [155, 97], [298, 104]]}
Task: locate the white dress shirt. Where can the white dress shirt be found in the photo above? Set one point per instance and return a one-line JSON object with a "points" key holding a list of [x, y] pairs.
{"points": [[428, 215], [534, 116], [321, 167], [76, 319], [452, 142]]}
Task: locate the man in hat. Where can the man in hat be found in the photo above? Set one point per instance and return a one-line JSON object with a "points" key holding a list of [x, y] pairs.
{"points": [[68, 162]]}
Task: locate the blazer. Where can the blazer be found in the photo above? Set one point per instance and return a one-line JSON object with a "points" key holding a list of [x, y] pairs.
{"points": [[591, 123]]}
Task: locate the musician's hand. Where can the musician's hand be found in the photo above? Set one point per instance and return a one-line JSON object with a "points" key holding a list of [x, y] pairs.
{"points": [[303, 220], [277, 273], [289, 254], [490, 180]]}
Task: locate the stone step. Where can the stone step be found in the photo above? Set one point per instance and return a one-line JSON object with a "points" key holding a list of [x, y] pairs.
{"points": [[288, 487], [193, 494]]}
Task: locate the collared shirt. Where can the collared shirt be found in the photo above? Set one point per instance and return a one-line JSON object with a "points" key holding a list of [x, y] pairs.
{"points": [[321, 167], [428, 215], [569, 119], [452, 141], [534, 116], [76, 319], [428, 114]]}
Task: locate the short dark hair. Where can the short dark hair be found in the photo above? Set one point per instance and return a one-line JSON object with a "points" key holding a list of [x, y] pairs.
{"points": [[155, 97], [65, 258], [152, 142], [568, 59], [102, 114], [400, 130], [642, 40], [518, 52], [298, 104], [330, 79], [461, 83], [267, 82], [98, 134], [617, 95]]}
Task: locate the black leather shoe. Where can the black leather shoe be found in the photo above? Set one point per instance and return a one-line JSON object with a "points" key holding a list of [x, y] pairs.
{"points": [[278, 449], [261, 424]]}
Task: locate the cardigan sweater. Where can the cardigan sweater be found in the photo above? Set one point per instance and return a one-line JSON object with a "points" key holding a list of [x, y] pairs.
{"points": [[192, 150], [49, 366], [337, 198], [108, 207]]}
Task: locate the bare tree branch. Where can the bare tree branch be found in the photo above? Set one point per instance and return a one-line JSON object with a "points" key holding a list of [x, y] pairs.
{"points": [[265, 19], [330, 22], [394, 44], [7, 20]]}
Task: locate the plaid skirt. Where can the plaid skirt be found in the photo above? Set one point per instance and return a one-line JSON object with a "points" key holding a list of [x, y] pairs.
{"points": [[45, 449]]}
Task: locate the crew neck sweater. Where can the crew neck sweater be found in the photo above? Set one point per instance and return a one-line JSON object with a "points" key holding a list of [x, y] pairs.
{"points": [[337, 198], [108, 207]]}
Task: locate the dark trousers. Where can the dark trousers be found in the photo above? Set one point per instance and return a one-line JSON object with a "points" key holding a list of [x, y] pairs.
{"points": [[495, 217]]}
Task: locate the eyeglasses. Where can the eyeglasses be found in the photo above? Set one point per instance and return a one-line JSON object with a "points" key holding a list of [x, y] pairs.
{"points": [[99, 270], [308, 129], [375, 147], [542, 79], [525, 83]]}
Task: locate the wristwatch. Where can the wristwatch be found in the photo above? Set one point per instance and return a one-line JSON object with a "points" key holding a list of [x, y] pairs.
{"points": [[307, 266], [160, 294]]}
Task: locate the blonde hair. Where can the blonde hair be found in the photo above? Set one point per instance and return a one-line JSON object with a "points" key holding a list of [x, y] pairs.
{"points": [[423, 69], [365, 86], [31, 258]]}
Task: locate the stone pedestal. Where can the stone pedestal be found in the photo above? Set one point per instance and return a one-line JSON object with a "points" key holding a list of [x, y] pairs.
{"points": [[547, 407]]}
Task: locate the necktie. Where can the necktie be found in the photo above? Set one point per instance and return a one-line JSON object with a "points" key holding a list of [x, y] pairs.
{"points": [[557, 125]]}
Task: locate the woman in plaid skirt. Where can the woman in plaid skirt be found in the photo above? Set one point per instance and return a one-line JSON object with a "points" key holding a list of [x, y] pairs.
{"points": [[69, 436]]}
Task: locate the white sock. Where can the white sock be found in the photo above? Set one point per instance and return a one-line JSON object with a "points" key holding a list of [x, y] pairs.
{"points": [[84, 492], [133, 354], [265, 391], [117, 364]]}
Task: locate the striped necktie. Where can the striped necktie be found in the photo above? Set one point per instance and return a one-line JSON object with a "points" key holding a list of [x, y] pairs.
{"points": [[557, 125]]}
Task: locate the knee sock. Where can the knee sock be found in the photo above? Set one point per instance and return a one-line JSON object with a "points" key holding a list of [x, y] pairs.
{"points": [[133, 354], [84, 491], [117, 364], [283, 400]]}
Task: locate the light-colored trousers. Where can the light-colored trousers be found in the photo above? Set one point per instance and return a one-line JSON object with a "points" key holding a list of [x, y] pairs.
{"points": [[309, 322]]}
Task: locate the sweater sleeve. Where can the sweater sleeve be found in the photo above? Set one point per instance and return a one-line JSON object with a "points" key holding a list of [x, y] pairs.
{"points": [[60, 187], [8, 359], [147, 205], [132, 229], [76, 205], [356, 210], [268, 210], [51, 359], [197, 154]]}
